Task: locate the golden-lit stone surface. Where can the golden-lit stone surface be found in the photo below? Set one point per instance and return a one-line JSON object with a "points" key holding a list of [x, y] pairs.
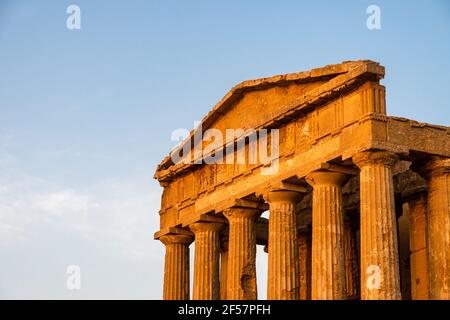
{"points": [[340, 158], [241, 271], [176, 270], [206, 261], [437, 173], [328, 262], [379, 244], [418, 247], [351, 262], [223, 266], [283, 271], [304, 256]]}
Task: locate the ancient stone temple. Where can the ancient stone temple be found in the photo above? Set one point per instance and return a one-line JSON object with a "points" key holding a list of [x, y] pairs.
{"points": [[358, 201]]}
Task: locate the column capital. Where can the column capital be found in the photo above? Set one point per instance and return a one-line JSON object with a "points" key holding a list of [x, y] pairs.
{"points": [[319, 177], [366, 158], [171, 231], [176, 238], [198, 227], [283, 195], [245, 212], [432, 167]]}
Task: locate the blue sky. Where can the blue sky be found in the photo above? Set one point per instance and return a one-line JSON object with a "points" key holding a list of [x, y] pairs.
{"points": [[85, 115]]}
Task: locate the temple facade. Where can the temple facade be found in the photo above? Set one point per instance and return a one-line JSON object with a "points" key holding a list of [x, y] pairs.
{"points": [[358, 201]]}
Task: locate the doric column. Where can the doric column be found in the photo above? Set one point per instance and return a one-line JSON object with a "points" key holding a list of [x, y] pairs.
{"points": [[223, 266], [206, 260], [418, 246], [380, 278], [304, 259], [328, 264], [241, 275], [351, 262], [403, 250], [176, 266], [437, 173], [283, 277]]}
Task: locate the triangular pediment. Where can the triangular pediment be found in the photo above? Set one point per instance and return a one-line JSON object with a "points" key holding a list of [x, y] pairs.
{"points": [[262, 103]]}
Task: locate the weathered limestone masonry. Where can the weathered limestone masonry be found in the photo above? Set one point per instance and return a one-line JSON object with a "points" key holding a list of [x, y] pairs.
{"points": [[328, 269], [353, 187]]}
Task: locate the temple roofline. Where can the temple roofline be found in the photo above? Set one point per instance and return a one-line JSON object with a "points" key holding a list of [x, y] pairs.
{"points": [[327, 72]]}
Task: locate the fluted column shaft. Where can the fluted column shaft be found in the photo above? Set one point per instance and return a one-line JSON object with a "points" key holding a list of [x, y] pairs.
{"points": [[418, 247], [351, 262], [223, 267], [328, 264], [176, 266], [206, 260], [437, 173], [380, 277], [283, 276], [304, 259], [241, 275]]}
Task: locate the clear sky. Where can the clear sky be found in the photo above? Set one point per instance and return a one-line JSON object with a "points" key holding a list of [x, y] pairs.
{"points": [[85, 115]]}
